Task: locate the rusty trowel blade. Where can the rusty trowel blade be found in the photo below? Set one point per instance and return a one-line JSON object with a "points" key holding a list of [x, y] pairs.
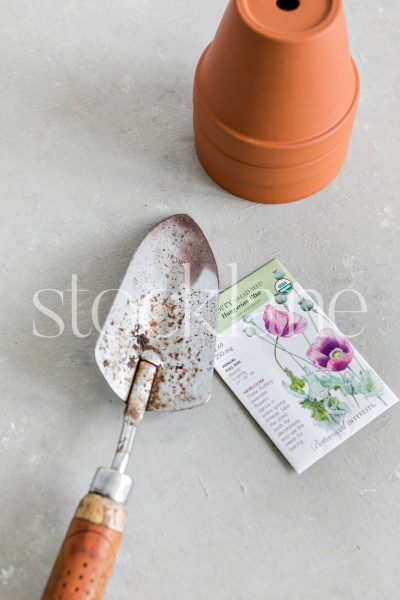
{"points": [[167, 301]]}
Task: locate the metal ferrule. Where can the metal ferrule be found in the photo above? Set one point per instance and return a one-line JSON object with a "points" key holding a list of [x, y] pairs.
{"points": [[112, 484]]}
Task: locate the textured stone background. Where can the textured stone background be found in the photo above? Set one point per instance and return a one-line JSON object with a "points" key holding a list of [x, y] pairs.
{"points": [[96, 145]]}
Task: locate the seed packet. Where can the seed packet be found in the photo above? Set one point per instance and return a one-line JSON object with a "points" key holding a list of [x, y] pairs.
{"points": [[300, 378]]}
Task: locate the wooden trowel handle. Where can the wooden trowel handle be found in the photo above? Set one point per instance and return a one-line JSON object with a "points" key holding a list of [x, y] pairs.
{"points": [[84, 563]]}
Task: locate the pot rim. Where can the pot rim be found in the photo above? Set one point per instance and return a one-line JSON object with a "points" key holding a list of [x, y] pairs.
{"points": [[273, 168], [271, 194]]}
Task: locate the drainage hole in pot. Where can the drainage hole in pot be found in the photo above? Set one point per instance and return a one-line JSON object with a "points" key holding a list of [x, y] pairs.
{"points": [[288, 4]]}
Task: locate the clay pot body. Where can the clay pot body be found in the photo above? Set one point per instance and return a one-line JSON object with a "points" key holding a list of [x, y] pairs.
{"points": [[275, 98]]}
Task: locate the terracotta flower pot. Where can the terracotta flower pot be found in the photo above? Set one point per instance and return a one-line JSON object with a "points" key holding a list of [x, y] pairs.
{"points": [[275, 98]]}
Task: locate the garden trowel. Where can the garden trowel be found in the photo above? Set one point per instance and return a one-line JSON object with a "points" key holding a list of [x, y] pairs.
{"points": [[156, 351]]}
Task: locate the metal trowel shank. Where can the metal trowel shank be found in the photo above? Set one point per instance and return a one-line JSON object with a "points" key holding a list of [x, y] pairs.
{"points": [[167, 303]]}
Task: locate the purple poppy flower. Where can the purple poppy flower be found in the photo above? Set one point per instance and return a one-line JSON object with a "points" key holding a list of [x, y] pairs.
{"points": [[283, 324], [331, 351]]}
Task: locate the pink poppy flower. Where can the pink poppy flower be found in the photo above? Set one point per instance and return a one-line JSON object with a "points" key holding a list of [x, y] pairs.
{"points": [[331, 351], [283, 324]]}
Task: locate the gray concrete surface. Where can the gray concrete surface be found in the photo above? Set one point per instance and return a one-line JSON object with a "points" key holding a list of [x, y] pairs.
{"points": [[96, 145]]}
